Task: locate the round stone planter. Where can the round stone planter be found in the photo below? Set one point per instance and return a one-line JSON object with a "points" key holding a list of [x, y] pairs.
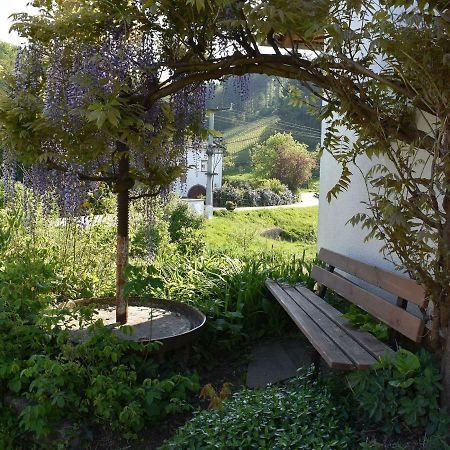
{"points": [[176, 325]]}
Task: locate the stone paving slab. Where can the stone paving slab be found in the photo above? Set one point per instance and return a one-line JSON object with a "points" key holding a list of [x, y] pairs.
{"points": [[277, 360]]}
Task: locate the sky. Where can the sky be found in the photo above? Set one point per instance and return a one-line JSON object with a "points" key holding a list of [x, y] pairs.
{"points": [[8, 7]]}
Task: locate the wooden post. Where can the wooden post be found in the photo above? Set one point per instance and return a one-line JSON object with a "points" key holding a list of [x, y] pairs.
{"points": [[323, 289]]}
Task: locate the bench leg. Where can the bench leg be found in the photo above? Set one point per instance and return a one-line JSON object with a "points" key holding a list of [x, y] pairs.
{"points": [[393, 340], [315, 359]]}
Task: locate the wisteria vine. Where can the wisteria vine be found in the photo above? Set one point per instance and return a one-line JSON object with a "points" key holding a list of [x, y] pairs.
{"points": [[70, 81]]}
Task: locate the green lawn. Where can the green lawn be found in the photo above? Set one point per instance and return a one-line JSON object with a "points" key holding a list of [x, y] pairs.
{"points": [[245, 176], [239, 233], [313, 185]]}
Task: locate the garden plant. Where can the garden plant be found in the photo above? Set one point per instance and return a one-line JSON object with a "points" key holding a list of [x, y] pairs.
{"points": [[114, 101]]}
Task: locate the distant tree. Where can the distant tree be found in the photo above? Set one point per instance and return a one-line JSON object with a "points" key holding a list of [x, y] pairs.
{"points": [[285, 159]]}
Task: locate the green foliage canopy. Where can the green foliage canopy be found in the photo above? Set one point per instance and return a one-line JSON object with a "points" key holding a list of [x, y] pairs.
{"points": [[7, 55]]}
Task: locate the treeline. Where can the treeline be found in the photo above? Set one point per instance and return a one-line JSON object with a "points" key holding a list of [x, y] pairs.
{"points": [[263, 96]]}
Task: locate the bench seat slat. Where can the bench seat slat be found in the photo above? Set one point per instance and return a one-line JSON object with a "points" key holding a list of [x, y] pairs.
{"points": [[375, 347], [394, 283], [361, 358], [329, 351], [394, 316]]}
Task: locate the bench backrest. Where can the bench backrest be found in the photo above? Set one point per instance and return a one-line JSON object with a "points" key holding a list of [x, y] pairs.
{"points": [[406, 290]]}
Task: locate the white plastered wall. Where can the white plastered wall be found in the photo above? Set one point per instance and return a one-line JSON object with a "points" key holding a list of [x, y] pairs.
{"points": [[334, 232]]}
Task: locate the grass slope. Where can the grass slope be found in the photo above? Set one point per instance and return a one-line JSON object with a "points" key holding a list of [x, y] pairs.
{"points": [[239, 232]]}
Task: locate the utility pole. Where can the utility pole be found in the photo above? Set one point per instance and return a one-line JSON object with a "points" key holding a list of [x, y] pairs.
{"points": [[210, 170], [210, 152]]}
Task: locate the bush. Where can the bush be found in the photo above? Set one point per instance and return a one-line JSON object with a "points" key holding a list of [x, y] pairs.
{"points": [[273, 185], [180, 217], [300, 415], [172, 227], [243, 194], [401, 392], [228, 193], [106, 380], [231, 206], [285, 159]]}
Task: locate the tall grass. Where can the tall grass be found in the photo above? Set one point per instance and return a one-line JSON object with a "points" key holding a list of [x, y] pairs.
{"points": [[230, 291], [228, 286]]}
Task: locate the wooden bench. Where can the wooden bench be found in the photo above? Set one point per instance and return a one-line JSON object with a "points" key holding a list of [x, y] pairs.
{"points": [[341, 345]]}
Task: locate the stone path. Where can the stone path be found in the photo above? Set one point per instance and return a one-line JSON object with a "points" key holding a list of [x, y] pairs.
{"points": [[277, 360]]}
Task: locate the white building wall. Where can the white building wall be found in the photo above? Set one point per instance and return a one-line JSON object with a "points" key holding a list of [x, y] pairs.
{"points": [[197, 206], [196, 174], [334, 232]]}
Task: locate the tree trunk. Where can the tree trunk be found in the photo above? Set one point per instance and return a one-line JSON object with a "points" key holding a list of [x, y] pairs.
{"points": [[445, 372], [444, 301], [122, 189]]}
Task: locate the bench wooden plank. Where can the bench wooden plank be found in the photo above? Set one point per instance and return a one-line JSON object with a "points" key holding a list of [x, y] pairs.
{"points": [[355, 352], [395, 283], [394, 316], [329, 351], [375, 347]]}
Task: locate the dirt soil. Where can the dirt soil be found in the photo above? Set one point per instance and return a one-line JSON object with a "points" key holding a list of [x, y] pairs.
{"points": [[230, 369]]}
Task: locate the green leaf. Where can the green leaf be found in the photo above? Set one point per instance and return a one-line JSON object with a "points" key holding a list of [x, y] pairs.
{"points": [[113, 116], [199, 4], [15, 385], [406, 362], [402, 384]]}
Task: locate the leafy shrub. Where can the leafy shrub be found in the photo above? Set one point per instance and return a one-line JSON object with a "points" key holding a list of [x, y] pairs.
{"points": [[228, 193], [80, 255], [243, 194], [300, 415], [400, 392], [273, 185], [230, 206], [242, 184], [268, 198], [180, 217], [251, 197], [106, 380], [26, 282], [190, 241]]}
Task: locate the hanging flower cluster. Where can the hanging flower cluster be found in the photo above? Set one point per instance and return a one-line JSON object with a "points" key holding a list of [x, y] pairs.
{"points": [[241, 86], [73, 80], [84, 90]]}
